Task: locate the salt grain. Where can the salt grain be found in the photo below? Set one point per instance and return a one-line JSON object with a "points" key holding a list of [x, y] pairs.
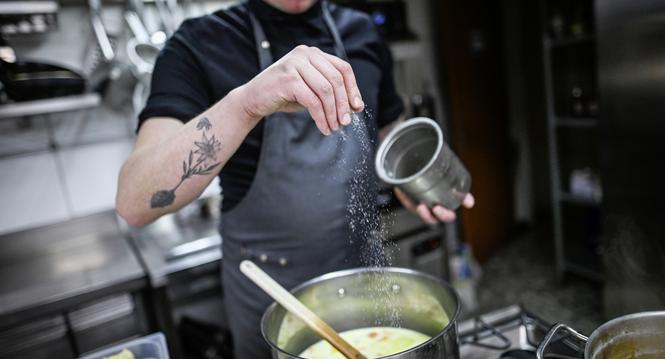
{"points": [[364, 220]]}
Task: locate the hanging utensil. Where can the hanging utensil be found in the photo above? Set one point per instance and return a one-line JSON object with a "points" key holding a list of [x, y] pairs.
{"points": [[165, 16], [100, 31], [293, 305], [142, 54], [102, 61]]}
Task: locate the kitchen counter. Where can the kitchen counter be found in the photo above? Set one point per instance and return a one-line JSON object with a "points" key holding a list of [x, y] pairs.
{"points": [[52, 268], [180, 241]]}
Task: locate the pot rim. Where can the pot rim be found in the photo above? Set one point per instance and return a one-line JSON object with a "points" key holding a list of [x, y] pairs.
{"points": [[597, 332], [452, 321], [389, 141]]}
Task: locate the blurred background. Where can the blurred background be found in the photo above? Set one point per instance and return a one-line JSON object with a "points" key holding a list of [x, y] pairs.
{"points": [[556, 107]]}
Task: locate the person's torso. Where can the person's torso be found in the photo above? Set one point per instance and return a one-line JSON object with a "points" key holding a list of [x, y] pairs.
{"points": [[223, 45]]}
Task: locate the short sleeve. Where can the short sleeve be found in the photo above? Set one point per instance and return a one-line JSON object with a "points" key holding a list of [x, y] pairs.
{"points": [[178, 88], [390, 102]]}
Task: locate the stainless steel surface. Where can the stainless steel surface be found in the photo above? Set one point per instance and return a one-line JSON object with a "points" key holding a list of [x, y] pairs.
{"points": [[631, 69], [415, 158], [182, 253], [49, 106], [40, 338], [366, 297], [630, 336], [54, 267], [108, 320], [180, 241]]}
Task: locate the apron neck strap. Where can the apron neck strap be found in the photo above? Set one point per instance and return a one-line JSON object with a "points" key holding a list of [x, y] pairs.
{"points": [[263, 45], [330, 23]]}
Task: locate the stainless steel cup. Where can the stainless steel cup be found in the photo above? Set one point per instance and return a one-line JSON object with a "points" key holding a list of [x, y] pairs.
{"points": [[415, 158]]}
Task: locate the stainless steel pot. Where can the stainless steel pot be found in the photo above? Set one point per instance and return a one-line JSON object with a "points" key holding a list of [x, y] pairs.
{"points": [[640, 335], [415, 158], [370, 297]]}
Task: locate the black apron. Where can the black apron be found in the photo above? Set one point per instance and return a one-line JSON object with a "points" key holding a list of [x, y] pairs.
{"points": [[294, 220]]}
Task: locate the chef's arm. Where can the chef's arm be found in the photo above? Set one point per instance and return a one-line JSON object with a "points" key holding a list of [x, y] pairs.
{"points": [[172, 162]]}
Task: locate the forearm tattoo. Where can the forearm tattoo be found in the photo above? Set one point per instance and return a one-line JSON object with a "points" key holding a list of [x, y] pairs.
{"points": [[205, 151]]}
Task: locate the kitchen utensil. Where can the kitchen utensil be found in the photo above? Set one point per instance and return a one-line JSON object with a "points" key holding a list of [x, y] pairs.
{"points": [[142, 53], [370, 297], [415, 158], [104, 66], [100, 31], [293, 305], [639, 335], [165, 16]]}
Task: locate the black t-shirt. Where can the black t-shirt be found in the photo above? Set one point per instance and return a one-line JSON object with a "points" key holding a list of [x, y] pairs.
{"points": [[211, 55]]}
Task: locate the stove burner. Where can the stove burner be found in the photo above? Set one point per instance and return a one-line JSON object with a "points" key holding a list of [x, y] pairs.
{"points": [[479, 326], [519, 354]]}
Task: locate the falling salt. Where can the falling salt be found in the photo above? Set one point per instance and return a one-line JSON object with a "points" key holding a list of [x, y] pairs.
{"points": [[365, 221]]}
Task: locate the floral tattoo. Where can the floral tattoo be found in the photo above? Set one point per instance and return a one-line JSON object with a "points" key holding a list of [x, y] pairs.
{"points": [[205, 150]]}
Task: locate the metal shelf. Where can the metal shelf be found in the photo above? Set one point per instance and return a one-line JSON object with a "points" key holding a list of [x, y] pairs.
{"points": [[571, 198], [569, 41], [28, 7], [49, 106], [554, 124], [576, 122]]}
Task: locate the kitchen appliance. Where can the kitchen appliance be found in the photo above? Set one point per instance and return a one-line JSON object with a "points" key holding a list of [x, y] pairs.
{"points": [[70, 288], [510, 332], [26, 80], [369, 297], [631, 336], [631, 131], [415, 158], [182, 253]]}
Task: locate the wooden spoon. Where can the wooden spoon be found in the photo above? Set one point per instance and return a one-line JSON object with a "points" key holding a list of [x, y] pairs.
{"points": [[293, 305]]}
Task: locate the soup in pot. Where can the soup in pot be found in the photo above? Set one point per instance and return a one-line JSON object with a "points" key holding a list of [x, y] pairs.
{"points": [[373, 342]]}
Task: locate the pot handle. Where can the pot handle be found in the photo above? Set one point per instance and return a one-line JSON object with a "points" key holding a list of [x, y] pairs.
{"points": [[540, 353]]}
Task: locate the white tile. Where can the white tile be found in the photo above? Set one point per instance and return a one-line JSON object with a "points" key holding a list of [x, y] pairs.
{"points": [[19, 136], [91, 175], [30, 192]]}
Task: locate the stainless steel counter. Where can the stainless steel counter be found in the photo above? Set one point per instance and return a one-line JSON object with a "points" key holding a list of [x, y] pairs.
{"points": [[180, 241], [55, 267]]}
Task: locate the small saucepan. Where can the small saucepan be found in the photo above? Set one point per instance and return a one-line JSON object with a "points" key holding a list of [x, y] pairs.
{"points": [[639, 335]]}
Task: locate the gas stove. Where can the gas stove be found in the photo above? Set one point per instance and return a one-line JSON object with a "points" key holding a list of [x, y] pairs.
{"points": [[511, 332]]}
